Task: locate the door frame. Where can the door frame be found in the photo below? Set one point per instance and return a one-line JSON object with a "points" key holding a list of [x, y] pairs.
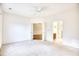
{"points": [[59, 30], [43, 30]]}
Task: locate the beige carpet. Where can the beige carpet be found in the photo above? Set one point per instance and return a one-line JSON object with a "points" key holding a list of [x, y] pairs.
{"points": [[37, 48]]}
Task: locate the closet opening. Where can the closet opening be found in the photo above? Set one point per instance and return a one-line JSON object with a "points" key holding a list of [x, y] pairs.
{"points": [[37, 31]]}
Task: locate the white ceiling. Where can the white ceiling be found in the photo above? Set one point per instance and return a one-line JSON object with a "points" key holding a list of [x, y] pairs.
{"points": [[35, 9]]}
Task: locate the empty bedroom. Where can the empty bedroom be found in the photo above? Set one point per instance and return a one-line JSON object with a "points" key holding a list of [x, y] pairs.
{"points": [[39, 29]]}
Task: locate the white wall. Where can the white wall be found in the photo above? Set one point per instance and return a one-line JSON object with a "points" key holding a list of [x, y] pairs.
{"points": [[16, 28], [0, 30], [1, 26], [49, 30], [71, 26]]}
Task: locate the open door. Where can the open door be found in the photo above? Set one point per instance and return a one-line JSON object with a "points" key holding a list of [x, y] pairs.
{"points": [[37, 31], [57, 32], [60, 32]]}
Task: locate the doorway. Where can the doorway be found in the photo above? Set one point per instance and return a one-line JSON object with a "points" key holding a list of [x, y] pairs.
{"points": [[37, 31], [57, 32]]}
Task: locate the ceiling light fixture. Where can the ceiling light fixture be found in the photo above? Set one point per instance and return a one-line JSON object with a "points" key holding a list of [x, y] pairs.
{"points": [[39, 8]]}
